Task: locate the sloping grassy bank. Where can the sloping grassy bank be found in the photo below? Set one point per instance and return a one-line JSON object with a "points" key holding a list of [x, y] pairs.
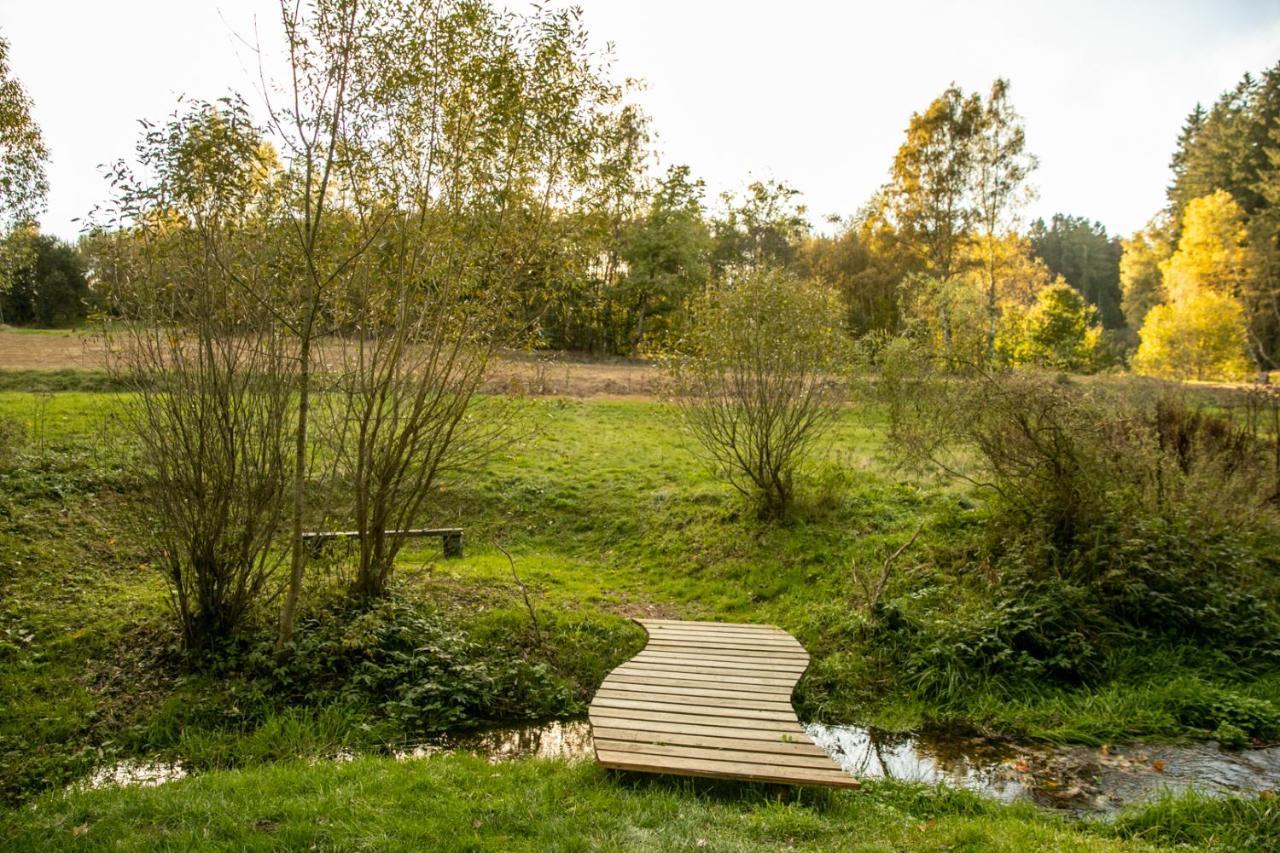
{"points": [[607, 515]]}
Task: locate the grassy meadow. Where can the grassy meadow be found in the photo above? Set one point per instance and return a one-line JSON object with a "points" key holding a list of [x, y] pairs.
{"points": [[607, 514]]}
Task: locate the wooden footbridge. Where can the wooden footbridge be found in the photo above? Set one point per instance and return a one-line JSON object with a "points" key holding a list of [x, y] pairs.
{"points": [[710, 699]]}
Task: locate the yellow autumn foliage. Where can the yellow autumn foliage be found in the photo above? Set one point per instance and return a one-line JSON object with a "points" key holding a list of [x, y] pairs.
{"points": [[1212, 252], [1198, 337]]}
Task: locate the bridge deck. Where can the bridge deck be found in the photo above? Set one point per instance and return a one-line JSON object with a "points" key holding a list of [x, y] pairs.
{"points": [[710, 699]]}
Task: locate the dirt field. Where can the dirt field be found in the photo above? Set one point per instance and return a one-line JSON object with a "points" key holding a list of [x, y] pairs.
{"points": [[519, 373]]}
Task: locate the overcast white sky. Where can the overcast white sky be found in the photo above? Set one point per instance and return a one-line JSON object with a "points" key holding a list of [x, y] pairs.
{"points": [[816, 94]]}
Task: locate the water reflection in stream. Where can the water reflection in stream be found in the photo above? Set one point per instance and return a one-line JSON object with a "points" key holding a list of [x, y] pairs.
{"points": [[569, 740], [1075, 779]]}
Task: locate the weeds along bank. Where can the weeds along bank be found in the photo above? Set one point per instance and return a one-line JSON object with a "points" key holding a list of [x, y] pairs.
{"points": [[1149, 625]]}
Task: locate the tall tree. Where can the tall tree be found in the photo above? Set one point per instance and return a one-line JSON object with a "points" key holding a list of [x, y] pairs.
{"points": [[23, 184], [1201, 330], [956, 187], [606, 213], [1141, 284], [929, 193], [48, 285], [762, 229], [667, 253], [1213, 251], [1001, 167], [1086, 257], [1231, 148], [1224, 148]]}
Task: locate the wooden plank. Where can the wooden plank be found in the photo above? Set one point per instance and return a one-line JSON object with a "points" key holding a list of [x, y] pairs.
{"points": [[727, 646], [726, 652], [724, 769], [711, 657], [821, 761], [730, 669], [695, 710], [685, 623], [355, 534], [708, 693], [729, 642], [731, 701], [708, 629], [746, 643], [782, 686], [606, 721], [767, 747], [706, 673], [762, 666], [716, 629], [744, 649], [642, 715], [615, 677]]}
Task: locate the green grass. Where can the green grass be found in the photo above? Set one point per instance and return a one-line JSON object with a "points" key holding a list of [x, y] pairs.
{"points": [[460, 802], [65, 379], [608, 515], [463, 803]]}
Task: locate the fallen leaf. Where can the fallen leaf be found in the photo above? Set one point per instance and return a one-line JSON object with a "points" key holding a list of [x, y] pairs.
{"points": [[1157, 766], [80, 830]]}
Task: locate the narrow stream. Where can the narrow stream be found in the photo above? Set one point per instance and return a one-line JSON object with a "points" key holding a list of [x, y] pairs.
{"points": [[1076, 779], [1071, 778]]}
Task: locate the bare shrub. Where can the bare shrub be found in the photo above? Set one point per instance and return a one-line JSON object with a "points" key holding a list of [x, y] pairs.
{"points": [[211, 371], [757, 378], [1067, 456], [404, 396], [481, 129], [213, 412]]}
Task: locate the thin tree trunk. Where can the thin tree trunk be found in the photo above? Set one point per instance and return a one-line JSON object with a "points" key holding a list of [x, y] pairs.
{"points": [[288, 611]]}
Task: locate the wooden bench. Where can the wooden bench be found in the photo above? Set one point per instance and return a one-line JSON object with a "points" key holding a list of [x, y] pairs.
{"points": [[450, 538]]}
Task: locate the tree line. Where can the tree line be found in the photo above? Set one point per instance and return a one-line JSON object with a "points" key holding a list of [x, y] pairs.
{"points": [[940, 251]]}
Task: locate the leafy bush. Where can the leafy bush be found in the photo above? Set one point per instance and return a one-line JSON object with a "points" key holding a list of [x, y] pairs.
{"points": [[1060, 331], [1113, 521], [1231, 718], [755, 379], [415, 668]]}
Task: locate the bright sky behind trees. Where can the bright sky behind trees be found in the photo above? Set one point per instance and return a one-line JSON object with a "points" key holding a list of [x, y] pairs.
{"points": [[815, 94]]}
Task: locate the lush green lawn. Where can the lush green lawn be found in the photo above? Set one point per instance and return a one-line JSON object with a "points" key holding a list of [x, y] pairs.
{"points": [[608, 515], [464, 803], [459, 802]]}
